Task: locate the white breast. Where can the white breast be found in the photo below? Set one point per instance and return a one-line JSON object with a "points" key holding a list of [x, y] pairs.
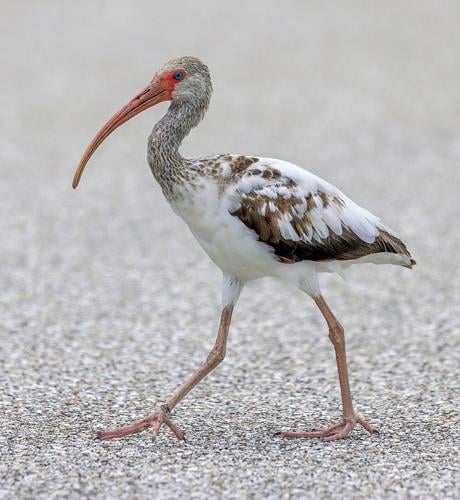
{"points": [[229, 243]]}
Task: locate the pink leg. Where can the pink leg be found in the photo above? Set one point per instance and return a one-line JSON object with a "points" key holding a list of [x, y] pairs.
{"points": [[161, 414], [343, 428]]}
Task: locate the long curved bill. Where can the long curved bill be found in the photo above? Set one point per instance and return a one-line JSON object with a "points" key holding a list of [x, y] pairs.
{"points": [[155, 93]]}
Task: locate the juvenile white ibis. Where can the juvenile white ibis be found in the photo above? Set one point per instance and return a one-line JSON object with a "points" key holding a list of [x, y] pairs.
{"points": [[254, 217]]}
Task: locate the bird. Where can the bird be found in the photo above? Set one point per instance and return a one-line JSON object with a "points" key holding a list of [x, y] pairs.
{"points": [[255, 217]]}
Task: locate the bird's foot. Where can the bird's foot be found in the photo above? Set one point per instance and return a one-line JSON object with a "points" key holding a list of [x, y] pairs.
{"points": [[339, 430], [154, 420]]}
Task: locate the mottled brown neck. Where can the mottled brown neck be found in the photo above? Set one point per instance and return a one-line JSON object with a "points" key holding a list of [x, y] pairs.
{"points": [[167, 164]]}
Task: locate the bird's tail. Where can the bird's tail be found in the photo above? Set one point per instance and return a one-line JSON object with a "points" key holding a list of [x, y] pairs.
{"points": [[390, 243]]}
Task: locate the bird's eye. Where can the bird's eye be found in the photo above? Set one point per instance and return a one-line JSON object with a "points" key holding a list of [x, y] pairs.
{"points": [[178, 75]]}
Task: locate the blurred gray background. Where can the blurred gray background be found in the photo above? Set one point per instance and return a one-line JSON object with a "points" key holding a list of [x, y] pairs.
{"points": [[107, 303]]}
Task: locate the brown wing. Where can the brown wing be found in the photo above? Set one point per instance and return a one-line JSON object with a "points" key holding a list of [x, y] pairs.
{"points": [[315, 225]]}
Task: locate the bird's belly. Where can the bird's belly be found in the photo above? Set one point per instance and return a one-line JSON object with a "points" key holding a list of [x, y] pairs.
{"points": [[230, 244], [237, 252]]}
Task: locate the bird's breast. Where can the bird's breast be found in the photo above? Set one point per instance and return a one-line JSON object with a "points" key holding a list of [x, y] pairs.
{"points": [[229, 244], [198, 205]]}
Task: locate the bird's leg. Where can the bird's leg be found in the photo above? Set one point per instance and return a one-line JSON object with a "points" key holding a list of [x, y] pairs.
{"points": [[215, 357], [161, 414], [343, 428]]}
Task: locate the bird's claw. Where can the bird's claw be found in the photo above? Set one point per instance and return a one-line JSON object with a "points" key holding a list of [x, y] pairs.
{"points": [[339, 430], [154, 420]]}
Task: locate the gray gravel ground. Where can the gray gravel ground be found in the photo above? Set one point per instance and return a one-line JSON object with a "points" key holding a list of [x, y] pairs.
{"points": [[107, 303]]}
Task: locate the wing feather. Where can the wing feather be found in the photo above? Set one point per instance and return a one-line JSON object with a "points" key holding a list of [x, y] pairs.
{"points": [[303, 217]]}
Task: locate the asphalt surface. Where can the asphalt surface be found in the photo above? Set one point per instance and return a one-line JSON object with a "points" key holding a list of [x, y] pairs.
{"points": [[107, 303]]}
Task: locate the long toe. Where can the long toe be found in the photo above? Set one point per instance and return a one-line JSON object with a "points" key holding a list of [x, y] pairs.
{"points": [[177, 432], [126, 430], [366, 426], [154, 421], [340, 432], [314, 433], [333, 432]]}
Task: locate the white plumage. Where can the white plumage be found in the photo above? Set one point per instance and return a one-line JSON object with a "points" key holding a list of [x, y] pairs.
{"points": [[254, 217], [207, 208]]}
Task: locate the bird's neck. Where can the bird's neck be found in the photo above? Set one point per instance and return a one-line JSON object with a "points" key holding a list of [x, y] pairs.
{"points": [[167, 164]]}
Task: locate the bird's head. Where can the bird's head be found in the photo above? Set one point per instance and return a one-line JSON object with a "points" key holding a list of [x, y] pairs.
{"points": [[182, 80], [188, 78]]}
